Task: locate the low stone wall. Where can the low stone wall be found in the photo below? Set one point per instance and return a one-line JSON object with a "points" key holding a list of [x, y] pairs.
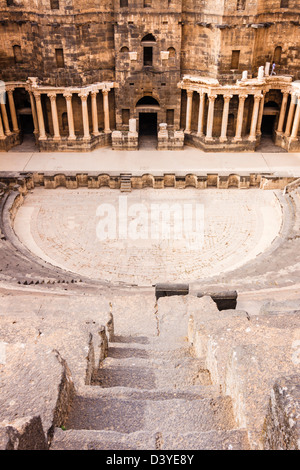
{"points": [[216, 145], [78, 145], [167, 180]]}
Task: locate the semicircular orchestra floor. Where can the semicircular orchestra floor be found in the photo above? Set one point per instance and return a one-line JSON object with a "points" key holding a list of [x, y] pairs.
{"points": [[149, 235]]}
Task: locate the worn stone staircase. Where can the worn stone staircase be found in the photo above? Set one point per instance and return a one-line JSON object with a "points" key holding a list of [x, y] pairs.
{"points": [[151, 394], [125, 182]]}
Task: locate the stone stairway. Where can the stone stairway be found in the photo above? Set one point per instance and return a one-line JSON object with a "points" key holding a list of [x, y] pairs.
{"points": [[125, 182], [150, 394]]}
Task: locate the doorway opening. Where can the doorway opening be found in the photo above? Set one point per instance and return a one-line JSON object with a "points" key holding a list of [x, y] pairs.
{"points": [[147, 130]]}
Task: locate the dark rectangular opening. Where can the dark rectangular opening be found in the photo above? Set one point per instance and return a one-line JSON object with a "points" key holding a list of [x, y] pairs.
{"points": [[125, 116], [170, 117], [148, 56], [224, 300], [167, 290], [235, 60], [59, 54], [123, 3]]}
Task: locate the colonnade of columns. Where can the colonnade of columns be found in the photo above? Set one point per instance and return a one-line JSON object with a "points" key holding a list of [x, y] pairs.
{"points": [[68, 94], [292, 124], [38, 114]]}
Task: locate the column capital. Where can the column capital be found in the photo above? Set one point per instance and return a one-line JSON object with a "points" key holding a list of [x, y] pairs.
{"points": [[189, 93], [94, 92], [52, 95], [84, 95], [68, 95], [285, 93], [10, 90], [227, 97], [37, 94], [212, 97], [258, 96], [243, 96]]}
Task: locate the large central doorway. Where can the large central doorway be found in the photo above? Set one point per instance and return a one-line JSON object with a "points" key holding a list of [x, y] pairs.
{"points": [[148, 124], [147, 108], [147, 131]]}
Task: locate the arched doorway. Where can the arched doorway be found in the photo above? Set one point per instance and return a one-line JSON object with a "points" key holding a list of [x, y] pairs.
{"points": [[25, 119], [147, 108]]}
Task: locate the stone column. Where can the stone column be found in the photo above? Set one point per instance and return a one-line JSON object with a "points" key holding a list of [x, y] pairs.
{"points": [[210, 117], [223, 136], [39, 110], [106, 111], [52, 97], [290, 116], [34, 115], [294, 134], [201, 113], [13, 114], [4, 116], [85, 116], [189, 106], [68, 97], [240, 114], [260, 114], [252, 136], [95, 112], [282, 112], [2, 135]]}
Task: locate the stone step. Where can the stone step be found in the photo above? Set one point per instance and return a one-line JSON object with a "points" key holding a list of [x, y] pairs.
{"points": [[150, 373], [195, 392], [128, 416], [235, 439]]}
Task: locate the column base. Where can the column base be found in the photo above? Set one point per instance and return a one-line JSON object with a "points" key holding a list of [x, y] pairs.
{"points": [[95, 134], [209, 139], [200, 134], [56, 138], [107, 131], [252, 138], [43, 138], [237, 139], [223, 139], [72, 137]]}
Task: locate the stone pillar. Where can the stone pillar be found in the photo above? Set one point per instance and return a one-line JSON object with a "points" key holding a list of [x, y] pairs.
{"points": [[260, 114], [95, 112], [4, 116], [201, 113], [282, 112], [85, 116], [106, 111], [223, 136], [34, 115], [132, 125], [39, 110], [2, 135], [68, 96], [210, 117], [189, 106], [294, 134], [52, 97], [13, 114], [290, 116], [240, 114], [252, 136]]}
